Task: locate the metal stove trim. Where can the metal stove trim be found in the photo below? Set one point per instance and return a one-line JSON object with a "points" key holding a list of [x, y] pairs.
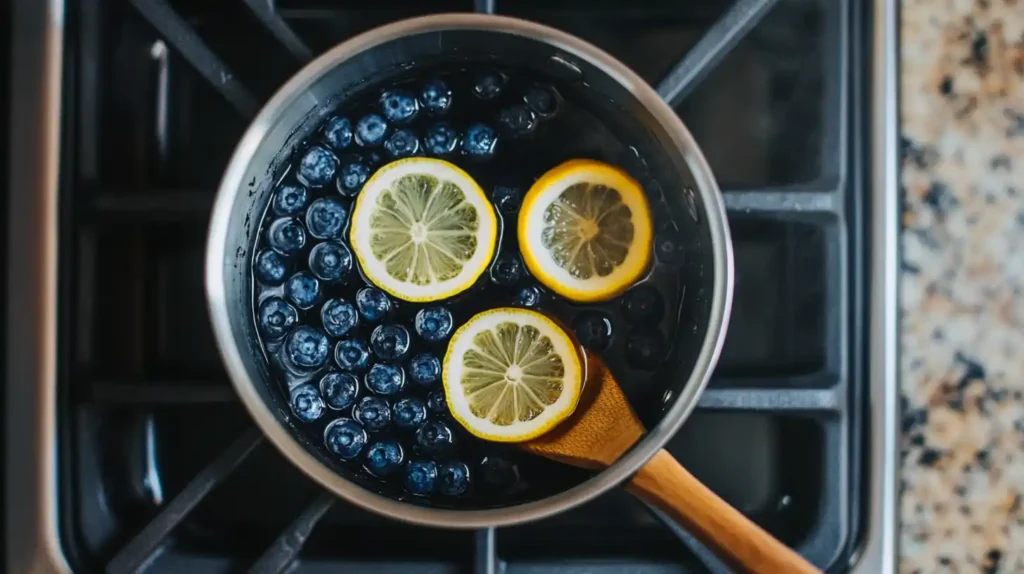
{"points": [[878, 555], [31, 502]]}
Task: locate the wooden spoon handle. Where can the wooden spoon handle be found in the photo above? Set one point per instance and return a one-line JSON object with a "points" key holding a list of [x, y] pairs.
{"points": [[666, 485]]}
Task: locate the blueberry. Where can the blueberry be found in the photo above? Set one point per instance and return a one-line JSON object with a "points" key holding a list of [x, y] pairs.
{"points": [[286, 236], [306, 348], [317, 167], [668, 248], [271, 267], [290, 199], [370, 130], [330, 261], [643, 306], [373, 304], [325, 218], [436, 403], [453, 478], [480, 141], [528, 296], [352, 177], [435, 96], [440, 139], [507, 198], [646, 349], [385, 379], [420, 477], [542, 100], [488, 85], [338, 132], [434, 437], [345, 438], [518, 120], [373, 412], [507, 269], [425, 369], [352, 355], [306, 403], [339, 389], [302, 289], [338, 317], [399, 106], [390, 342], [385, 457], [499, 472], [593, 330], [402, 143], [434, 324], [276, 317], [410, 413]]}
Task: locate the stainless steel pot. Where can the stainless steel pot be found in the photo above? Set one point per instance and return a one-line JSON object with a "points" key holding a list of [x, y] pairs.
{"points": [[615, 93]]}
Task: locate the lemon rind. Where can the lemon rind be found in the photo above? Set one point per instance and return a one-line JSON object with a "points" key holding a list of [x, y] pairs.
{"points": [[552, 416], [359, 237], [529, 228]]}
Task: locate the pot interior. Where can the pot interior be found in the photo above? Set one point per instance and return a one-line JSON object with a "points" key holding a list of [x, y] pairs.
{"points": [[649, 153]]}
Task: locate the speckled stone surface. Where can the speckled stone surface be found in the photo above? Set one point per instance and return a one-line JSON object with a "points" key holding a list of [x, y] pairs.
{"points": [[963, 286]]}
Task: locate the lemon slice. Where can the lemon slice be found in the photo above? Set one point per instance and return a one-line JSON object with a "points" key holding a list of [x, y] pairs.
{"points": [[510, 375], [423, 230], [585, 230]]}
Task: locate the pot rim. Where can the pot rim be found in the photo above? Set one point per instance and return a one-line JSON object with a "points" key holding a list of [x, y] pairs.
{"points": [[281, 437]]}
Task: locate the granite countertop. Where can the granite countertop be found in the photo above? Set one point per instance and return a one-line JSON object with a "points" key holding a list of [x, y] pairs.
{"points": [[962, 370]]}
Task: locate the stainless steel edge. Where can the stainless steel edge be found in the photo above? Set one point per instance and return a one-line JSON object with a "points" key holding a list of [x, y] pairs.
{"points": [[30, 501], [878, 555], [715, 218]]}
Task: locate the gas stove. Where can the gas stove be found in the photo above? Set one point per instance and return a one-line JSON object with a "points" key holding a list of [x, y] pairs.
{"points": [[126, 450]]}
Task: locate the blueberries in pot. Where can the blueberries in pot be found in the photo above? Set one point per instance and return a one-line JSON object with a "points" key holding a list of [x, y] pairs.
{"points": [[399, 106], [345, 438], [276, 317], [290, 199], [433, 324], [306, 403], [420, 477], [425, 369], [270, 267], [371, 130], [436, 97], [384, 457], [286, 236], [440, 139], [352, 355], [480, 141], [317, 167], [385, 379], [306, 348], [373, 412], [339, 390], [338, 132], [330, 261], [339, 317]]}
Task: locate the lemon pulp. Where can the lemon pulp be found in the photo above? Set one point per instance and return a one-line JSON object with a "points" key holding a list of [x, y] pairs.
{"points": [[423, 230], [511, 375], [585, 230]]}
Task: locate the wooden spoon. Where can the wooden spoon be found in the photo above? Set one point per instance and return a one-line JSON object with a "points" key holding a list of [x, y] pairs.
{"points": [[604, 427]]}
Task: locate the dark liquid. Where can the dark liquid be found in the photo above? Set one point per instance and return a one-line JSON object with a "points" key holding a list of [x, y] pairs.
{"points": [[640, 323]]}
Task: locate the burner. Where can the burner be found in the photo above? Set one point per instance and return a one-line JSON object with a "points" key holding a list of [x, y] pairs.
{"points": [[161, 469]]}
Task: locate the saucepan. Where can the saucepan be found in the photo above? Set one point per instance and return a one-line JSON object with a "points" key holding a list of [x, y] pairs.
{"points": [[624, 101]]}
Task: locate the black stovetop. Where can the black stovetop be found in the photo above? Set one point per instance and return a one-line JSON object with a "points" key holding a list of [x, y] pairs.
{"points": [[160, 466]]}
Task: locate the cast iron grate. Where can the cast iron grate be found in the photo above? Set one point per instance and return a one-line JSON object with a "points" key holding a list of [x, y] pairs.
{"points": [[805, 217]]}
